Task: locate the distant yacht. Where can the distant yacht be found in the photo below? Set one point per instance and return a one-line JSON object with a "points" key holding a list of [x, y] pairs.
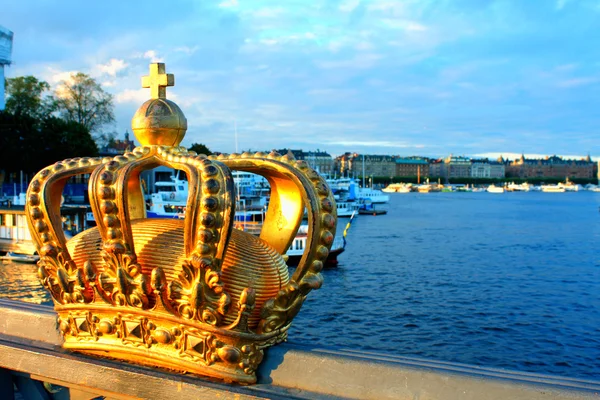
{"points": [[347, 188], [398, 188], [495, 189], [553, 189], [521, 187]]}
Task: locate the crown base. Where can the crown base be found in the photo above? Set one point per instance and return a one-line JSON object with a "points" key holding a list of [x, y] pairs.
{"points": [[159, 341]]}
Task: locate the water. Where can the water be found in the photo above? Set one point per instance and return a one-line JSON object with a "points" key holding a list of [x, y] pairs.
{"points": [[502, 280]]}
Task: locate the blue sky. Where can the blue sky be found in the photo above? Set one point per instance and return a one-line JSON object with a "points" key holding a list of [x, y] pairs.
{"points": [[466, 77]]}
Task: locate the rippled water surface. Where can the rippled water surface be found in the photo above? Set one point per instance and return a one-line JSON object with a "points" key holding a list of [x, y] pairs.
{"points": [[503, 280]]}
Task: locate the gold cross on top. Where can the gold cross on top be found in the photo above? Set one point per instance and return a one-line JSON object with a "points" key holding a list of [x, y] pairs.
{"points": [[158, 81]]}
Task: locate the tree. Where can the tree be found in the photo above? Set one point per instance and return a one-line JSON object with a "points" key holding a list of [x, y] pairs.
{"points": [[200, 149], [65, 139], [106, 139], [28, 144], [25, 96], [81, 99]]}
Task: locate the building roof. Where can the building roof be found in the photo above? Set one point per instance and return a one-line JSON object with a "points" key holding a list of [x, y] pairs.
{"points": [[411, 161], [553, 160]]}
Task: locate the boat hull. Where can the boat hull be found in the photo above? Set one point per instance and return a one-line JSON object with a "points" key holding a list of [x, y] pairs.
{"points": [[331, 260]]}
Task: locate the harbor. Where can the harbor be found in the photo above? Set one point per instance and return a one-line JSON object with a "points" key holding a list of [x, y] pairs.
{"points": [[364, 200], [473, 278]]}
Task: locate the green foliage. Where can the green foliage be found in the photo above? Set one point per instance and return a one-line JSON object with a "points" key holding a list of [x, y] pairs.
{"points": [[81, 99], [200, 149], [29, 144], [25, 96]]}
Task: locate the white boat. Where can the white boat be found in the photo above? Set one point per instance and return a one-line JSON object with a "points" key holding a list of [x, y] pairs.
{"points": [[375, 195], [521, 187], [175, 190], [570, 186], [429, 188], [170, 199], [298, 246], [20, 258], [161, 208], [397, 188], [14, 232], [592, 188], [495, 189], [347, 208], [349, 186], [553, 189]]}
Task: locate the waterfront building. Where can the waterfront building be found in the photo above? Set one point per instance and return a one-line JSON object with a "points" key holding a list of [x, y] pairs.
{"points": [[318, 160], [353, 164], [6, 38], [497, 169], [480, 169], [550, 167], [412, 166], [487, 169], [436, 168], [374, 165], [456, 167], [343, 164], [117, 146]]}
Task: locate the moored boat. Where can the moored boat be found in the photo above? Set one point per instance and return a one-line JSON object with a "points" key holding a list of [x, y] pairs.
{"points": [[495, 189], [20, 258], [521, 187], [346, 208], [429, 188], [553, 189], [570, 186], [368, 208], [297, 247], [398, 188]]}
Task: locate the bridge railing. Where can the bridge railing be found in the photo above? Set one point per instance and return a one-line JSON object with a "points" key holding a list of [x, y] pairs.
{"points": [[32, 360]]}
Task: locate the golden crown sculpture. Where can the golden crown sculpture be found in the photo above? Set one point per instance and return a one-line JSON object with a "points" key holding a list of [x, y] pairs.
{"points": [[194, 295]]}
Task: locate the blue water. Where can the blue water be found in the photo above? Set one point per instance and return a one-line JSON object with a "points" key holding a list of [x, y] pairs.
{"points": [[502, 280]]}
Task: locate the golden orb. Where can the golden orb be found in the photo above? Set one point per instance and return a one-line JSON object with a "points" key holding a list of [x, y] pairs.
{"points": [[159, 122]]}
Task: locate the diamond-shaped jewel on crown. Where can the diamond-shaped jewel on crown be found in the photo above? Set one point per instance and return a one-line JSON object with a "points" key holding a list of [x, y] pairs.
{"points": [[194, 295]]}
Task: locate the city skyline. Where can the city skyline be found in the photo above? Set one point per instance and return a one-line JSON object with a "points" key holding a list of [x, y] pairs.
{"points": [[377, 77]]}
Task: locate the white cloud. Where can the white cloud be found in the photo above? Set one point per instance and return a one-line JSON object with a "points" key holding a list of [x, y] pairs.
{"points": [[53, 76], [187, 50], [270, 12], [357, 143], [111, 68], [153, 57], [228, 3], [569, 83], [137, 96], [393, 7], [407, 25], [348, 6], [361, 61]]}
